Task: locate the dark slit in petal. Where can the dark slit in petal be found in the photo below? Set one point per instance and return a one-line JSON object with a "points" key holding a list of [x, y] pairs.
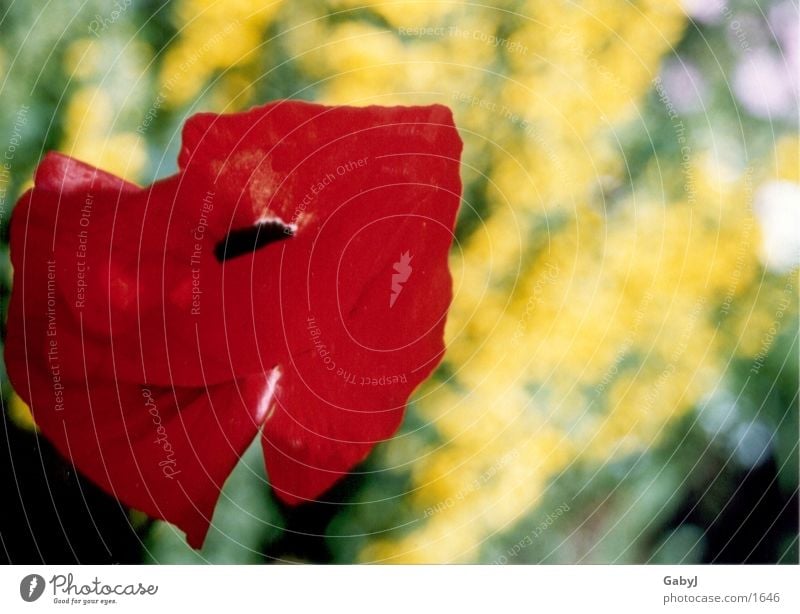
{"points": [[247, 240]]}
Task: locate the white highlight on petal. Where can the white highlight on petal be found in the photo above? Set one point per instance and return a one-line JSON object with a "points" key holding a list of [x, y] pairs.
{"points": [[265, 403], [274, 219]]}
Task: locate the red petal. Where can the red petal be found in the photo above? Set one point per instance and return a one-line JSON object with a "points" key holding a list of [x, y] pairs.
{"points": [[65, 175], [164, 451], [357, 348], [128, 284]]}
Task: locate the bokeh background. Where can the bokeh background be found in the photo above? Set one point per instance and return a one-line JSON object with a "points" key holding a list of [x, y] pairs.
{"points": [[621, 381]]}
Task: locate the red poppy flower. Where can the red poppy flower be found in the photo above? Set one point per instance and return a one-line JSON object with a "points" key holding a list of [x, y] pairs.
{"points": [[290, 278]]}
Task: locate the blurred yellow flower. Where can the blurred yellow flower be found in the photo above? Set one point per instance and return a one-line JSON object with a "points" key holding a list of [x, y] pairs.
{"points": [[213, 35], [90, 135]]}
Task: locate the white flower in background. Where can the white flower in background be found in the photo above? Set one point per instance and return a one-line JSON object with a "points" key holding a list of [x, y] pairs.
{"points": [[763, 84], [777, 207], [752, 443], [784, 20], [684, 84], [704, 11]]}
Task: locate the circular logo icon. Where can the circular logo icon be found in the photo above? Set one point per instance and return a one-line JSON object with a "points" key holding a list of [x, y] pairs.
{"points": [[31, 587]]}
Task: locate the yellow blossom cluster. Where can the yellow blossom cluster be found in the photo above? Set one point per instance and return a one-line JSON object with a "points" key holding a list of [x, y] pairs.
{"points": [[214, 36], [90, 135], [107, 78]]}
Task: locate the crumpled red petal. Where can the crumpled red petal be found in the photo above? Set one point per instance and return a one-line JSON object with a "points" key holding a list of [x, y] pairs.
{"points": [[126, 298]]}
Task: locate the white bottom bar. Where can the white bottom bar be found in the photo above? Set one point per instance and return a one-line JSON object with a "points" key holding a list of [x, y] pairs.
{"points": [[402, 589]]}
